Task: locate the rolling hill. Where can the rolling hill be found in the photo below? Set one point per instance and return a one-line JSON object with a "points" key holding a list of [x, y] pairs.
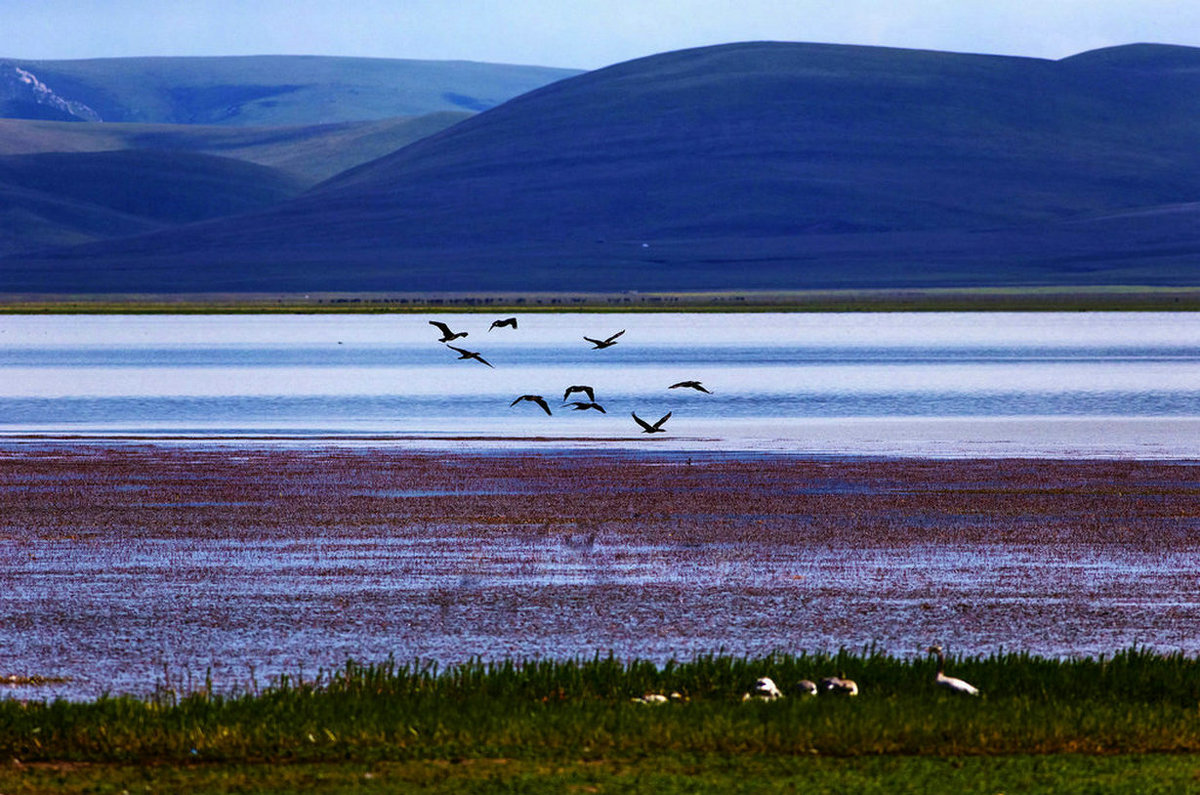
{"points": [[75, 197], [760, 165], [262, 91], [309, 153]]}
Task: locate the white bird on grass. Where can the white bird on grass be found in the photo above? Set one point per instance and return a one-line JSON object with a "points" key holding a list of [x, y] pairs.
{"points": [[764, 690], [839, 686], [950, 683]]}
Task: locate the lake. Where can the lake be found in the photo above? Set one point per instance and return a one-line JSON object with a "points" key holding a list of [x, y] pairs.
{"points": [[272, 494], [924, 384]]}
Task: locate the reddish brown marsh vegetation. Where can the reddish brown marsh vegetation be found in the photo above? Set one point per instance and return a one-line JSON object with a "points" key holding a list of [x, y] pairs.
{"points": [[120, 560]]}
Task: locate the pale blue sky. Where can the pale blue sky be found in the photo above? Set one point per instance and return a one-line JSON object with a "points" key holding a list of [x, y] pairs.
{"points": [[574, 33]]}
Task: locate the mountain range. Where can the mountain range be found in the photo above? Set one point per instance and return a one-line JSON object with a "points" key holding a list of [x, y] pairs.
{"points": [[760, 165]]}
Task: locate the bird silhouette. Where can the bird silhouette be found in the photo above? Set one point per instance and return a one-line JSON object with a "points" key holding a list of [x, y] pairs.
{"points": [[647, 427], [587, 390], [949, 682], [538, 399], [465, 354], [598, 344], [690, 385], [579, 405], [510, 322], [447, 334]]}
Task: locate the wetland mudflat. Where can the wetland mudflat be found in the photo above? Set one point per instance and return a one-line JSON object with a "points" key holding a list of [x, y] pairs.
{"points": [[120, 561]]}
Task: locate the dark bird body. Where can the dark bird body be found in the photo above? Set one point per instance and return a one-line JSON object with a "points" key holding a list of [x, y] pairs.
{"points": [[647, 427], [465, 354], [598, 344], [579, 405], [538, 399], [690, 385], [447, 334], [510, 322], [587, 390]]}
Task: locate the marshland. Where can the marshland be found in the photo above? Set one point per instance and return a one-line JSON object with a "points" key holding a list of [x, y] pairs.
{"points": [[385, 586]]}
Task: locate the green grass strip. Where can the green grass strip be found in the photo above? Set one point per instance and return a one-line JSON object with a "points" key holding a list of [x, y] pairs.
{"points": [[1132, 702]]}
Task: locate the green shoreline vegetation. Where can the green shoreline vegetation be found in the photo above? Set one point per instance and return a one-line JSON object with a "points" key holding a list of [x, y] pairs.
{"points": [[1125, 723], [1139, 299]]}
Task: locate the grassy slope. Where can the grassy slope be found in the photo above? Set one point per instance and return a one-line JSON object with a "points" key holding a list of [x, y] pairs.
{"points": [[88, 195], [310, 153]]}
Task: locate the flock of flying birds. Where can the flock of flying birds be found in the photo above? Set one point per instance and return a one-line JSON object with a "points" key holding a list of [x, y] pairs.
{"points": [[449, 335]]}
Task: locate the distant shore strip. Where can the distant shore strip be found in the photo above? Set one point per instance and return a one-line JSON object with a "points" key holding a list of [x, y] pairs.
{"points": [[996, 299]]}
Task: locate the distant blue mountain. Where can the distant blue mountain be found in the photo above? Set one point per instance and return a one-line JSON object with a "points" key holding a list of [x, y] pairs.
{"points": [[253, 91], [759, 165]]}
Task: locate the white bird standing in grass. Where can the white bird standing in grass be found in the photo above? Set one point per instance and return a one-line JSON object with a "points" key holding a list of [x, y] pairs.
{"points": [[949, 682], [839, 686], [764, 690]]}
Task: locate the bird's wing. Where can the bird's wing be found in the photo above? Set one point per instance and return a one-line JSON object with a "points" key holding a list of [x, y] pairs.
{"points": [[485, 361], [594, 342], [659, 424], [460, 350], [512, 321], [599, 408], [542, 403], [515, 402], [591, 395], [676, 386], [614, 336], [641, 421], [445, 329]]}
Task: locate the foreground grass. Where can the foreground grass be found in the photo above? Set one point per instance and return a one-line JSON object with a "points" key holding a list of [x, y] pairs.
{"points": [[738, 774], [1132, 719]]}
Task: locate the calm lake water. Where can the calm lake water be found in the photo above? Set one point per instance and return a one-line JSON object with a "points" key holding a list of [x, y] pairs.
{"points": [[926, 384]]}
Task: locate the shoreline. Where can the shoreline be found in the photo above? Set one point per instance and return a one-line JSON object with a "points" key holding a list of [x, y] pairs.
{"points": [[1129, 298]]}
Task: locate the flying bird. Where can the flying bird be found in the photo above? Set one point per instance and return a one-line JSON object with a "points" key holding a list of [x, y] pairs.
{"points": [[510, 322], [598, 344], [690, 385], [949, 682], [465, 354], [647, 427], [538, 399], [579, 405], [447, 334], [587, 390]]}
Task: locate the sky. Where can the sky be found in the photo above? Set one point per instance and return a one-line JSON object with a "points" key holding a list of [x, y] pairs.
{"points": [[584, 34]]}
